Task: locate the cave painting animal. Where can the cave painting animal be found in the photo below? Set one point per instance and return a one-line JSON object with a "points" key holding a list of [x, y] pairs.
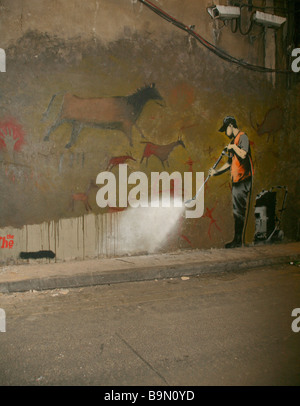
{"points": [[162, 152], [272, 122], [83, 197], [114, 113], [117, 160]]}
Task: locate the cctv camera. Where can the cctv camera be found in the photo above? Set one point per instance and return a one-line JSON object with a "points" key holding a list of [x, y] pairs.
{"points": [[269, 20], [224, 12]]}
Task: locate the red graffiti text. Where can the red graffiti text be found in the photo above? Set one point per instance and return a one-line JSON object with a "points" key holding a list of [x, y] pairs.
{"points": [[7, 242]]}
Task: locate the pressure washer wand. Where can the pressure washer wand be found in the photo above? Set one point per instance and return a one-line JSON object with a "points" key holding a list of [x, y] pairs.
{"points": [[202, 186]]}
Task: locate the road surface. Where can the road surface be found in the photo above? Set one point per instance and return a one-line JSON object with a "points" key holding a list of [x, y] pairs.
{"points": [[226, 329]]}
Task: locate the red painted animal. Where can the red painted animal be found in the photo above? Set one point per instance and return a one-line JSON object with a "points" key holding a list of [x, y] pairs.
{"points": [[114, 113], [117, 160], [272, 122], [83, 197], [162, 152]]}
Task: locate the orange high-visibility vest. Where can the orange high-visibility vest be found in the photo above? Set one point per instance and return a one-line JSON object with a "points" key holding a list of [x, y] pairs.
{"points": [[241, 168]]}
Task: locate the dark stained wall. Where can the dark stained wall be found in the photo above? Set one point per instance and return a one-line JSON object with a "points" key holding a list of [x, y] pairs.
{"points": [[112, 48]]}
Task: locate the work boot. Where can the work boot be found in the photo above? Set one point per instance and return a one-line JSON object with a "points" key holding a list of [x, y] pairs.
{"points": [[238, 234]]}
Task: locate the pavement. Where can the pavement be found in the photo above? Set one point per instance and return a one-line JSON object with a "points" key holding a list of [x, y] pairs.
{"points": [[56, 275]]}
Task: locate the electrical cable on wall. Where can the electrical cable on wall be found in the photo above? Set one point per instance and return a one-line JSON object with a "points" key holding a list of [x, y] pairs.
{"points": [[217, 51], [239, 23], [264, 8]]}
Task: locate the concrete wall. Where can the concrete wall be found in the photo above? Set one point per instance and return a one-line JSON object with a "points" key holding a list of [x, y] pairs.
{"points": [[112, 48]]}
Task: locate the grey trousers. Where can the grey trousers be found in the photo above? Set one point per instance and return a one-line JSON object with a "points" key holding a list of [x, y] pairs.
{"points": [[240, 192]]}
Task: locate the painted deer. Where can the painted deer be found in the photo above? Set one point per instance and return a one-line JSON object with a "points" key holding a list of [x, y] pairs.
{"points": [[113, 113], [162, 152], [117, 160], [83, 197]]}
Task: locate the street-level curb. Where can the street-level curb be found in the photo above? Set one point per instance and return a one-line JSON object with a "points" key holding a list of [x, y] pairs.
{"points": [[93, 278]]}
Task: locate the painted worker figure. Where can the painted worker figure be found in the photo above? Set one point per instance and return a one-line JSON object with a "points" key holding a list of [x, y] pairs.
{"points": [[241, 168]]}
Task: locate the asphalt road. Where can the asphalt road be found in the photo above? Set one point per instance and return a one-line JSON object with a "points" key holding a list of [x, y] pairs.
{"points": [[227, 329]]}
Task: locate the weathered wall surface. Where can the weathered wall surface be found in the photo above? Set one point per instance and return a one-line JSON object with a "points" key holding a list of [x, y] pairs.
{"points": [[112, 48]]}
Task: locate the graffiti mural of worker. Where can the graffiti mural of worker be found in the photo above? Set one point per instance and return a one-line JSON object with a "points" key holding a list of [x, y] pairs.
{"points": [[241, 167]]}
